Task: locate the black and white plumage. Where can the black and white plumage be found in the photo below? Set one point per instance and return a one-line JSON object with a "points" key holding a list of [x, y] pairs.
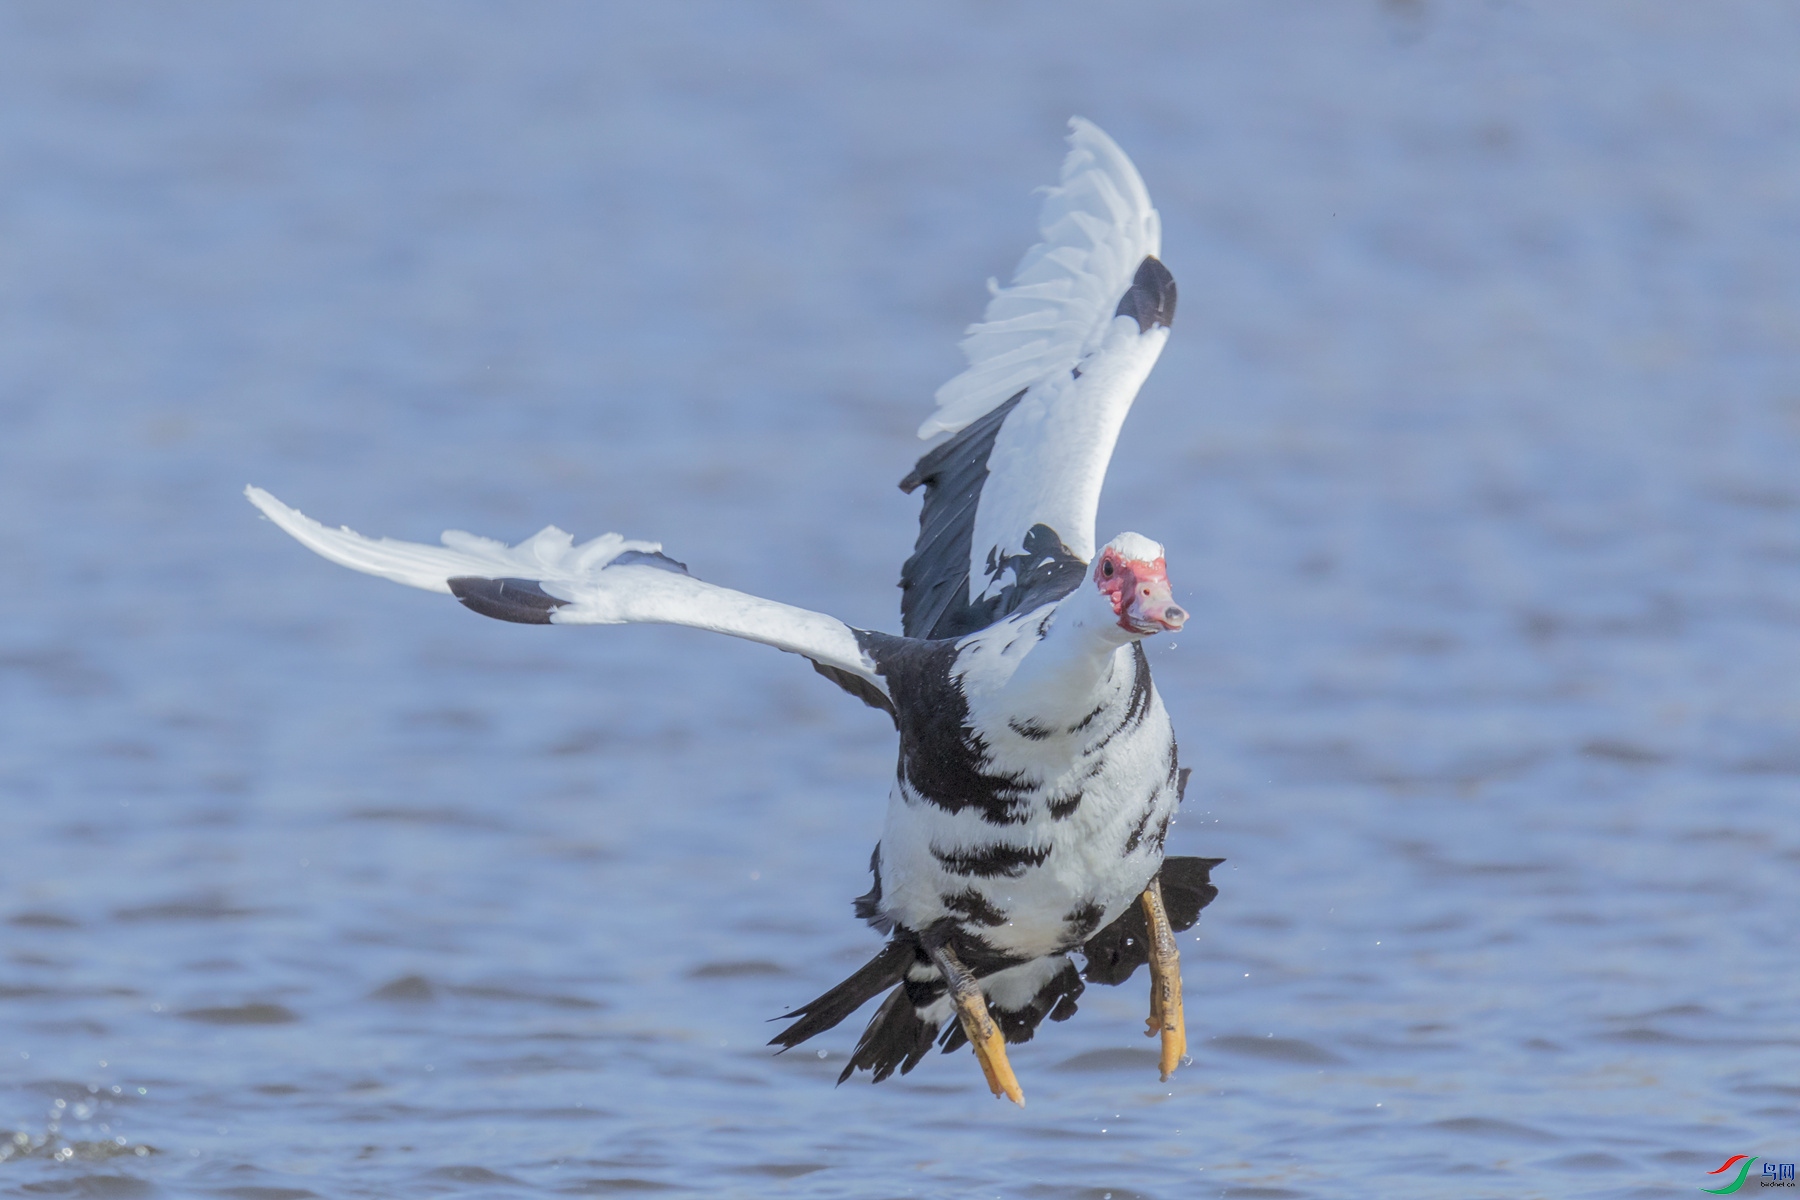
{"points": [[1038, 772]]}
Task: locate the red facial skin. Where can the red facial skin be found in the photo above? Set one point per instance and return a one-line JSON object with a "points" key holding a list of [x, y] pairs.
{"points": [[1139, 592]]}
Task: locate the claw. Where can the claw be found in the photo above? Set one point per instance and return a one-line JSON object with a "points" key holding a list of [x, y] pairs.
{"points": [[1166, 1016], [978, 1026]]}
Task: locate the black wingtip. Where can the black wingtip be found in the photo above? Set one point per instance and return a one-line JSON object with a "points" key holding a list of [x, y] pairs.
{"points": [[1150, 301], [521, 601]]}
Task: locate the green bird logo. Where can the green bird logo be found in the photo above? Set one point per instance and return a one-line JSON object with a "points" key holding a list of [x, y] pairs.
{"points": [[1743, 1163]]}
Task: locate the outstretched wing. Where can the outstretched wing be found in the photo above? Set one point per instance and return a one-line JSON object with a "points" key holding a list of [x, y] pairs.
{"points": [[548, 580], [1010, 498]]}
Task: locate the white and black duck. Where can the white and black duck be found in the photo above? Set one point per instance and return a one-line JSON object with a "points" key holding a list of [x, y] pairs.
{"points": [[1038, 771]]}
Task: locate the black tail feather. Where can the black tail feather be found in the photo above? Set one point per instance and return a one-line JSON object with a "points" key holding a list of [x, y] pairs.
{"points": [[1056, 1000], [1116, 952], [897, 1037], [871, 979]]}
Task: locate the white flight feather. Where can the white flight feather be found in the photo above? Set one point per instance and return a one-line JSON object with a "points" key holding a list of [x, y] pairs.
{"points": [[597, 593], [1097, 225], [1049, 458]]}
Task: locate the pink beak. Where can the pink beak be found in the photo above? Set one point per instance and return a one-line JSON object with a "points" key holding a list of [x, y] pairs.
{"points": [[1153, 607]]}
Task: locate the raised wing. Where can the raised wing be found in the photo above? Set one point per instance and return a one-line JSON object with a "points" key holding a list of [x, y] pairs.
{"points": [[611, 580], [1010, 498]]}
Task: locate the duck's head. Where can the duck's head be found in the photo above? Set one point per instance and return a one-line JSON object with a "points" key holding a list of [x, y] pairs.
{"points": [[1131, 574]]}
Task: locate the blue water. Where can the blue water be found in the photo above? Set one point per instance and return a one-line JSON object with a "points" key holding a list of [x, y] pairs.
{"points": [[1474, 451]]}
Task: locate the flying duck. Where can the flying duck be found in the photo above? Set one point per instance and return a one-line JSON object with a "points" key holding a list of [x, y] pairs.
{"points": [[1038, 771]]}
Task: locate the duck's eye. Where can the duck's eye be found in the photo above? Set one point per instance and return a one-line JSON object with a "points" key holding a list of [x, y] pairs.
{"points": [[1106, 568]]}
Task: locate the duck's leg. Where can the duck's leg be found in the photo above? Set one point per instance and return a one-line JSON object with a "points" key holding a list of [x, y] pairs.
{"points": [[978, 1026], [1165, 982]]}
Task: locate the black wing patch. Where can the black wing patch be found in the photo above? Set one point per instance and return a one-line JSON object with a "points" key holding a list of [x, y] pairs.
{"points": [[524, 602], [941, 757], [934, 582], [1151, 299], [518, 600], [934, 598], [1044, 571]]}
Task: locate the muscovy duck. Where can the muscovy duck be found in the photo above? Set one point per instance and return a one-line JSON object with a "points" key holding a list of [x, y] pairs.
{"points": [[1038, 771]]}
